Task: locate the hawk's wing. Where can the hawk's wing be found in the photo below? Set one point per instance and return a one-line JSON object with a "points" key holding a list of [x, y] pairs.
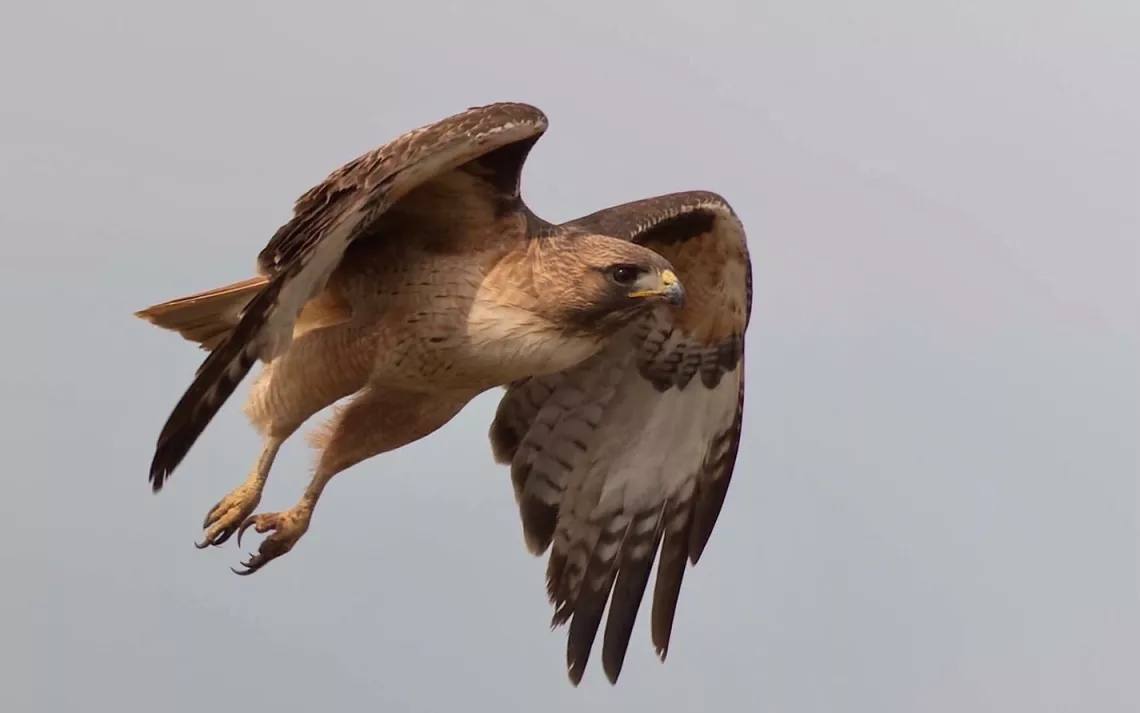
{"points": [[633, 449], [490, 143]]}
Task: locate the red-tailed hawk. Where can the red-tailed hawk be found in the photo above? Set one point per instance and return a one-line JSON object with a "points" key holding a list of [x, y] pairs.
{"points": [[415, 278]]}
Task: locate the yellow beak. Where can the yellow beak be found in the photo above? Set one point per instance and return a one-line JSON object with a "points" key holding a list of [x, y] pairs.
{"points": [[665, 285]]}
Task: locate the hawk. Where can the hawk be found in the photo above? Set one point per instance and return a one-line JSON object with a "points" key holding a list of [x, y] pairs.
{"points": [[415, 278]]}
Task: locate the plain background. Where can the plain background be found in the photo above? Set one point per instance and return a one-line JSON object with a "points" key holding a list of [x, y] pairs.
{"points": [[935, 508]]}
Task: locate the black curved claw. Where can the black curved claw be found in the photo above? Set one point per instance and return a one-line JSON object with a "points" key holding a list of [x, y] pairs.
{"points": [[267, 553], [218, 539], [251, 565], [246, 524]]}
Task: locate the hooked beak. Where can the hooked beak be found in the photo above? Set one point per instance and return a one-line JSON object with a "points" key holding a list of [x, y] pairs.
{"points": [[663, 285]]}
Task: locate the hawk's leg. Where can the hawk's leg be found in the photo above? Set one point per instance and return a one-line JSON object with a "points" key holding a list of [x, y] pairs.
{"points": [[225, 517], [376, 421], [320, 367]]}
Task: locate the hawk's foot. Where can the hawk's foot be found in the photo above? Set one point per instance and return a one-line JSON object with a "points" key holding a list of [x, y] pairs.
{"points": [[286, 528], [224, 518]]}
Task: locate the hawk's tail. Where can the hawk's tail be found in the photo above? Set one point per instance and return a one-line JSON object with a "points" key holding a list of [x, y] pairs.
{"points": [[206, 317]]}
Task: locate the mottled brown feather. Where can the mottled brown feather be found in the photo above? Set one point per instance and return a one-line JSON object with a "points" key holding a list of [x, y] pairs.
{"points": [[628, 591], [215, 380], [589, 602], [385, 175], [671, 565], [712, 486], [303, 253], [699, 233]]}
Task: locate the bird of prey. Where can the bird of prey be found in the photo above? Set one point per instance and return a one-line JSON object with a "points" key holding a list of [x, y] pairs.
{"points": [[415, 278]]}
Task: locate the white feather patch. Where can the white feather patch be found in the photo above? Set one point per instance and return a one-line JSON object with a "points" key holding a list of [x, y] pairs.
{"points": [[645, 445]]}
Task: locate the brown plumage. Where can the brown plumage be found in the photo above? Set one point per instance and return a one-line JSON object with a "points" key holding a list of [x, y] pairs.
{"points": [[415, 278]]}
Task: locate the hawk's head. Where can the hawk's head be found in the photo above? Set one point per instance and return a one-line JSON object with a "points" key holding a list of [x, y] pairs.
{"points": [[599, 284]]}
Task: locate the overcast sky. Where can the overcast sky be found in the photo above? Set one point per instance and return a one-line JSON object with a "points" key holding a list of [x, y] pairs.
{"points": [[935, 507]]}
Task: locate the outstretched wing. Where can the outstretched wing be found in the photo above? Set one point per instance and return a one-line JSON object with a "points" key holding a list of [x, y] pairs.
{"points": [[632, 451], [488, 143]]}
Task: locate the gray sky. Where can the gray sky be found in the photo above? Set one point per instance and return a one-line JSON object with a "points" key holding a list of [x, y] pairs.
{"points": [[935, 508]]}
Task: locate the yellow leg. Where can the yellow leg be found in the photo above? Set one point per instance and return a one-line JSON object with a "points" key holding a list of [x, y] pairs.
{"points": [[374, 422]]}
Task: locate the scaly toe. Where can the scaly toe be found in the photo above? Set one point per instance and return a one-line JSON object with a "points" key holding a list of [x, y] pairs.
{"points": [[210, 515], [285, 533], [223, 519]]}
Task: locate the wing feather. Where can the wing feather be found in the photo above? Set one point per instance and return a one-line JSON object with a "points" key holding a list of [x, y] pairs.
{"points": [[300, 258], [630, 453]]}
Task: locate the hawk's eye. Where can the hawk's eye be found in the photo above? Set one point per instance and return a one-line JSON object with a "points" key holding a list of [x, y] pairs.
{"points": [[624, 275]]}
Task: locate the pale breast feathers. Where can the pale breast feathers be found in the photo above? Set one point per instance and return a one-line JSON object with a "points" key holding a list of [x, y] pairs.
{"points": [[459, 168], [631, 452]]}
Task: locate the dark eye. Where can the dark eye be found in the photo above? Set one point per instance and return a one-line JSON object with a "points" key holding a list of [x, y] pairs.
{"points": [[624, 275]]}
